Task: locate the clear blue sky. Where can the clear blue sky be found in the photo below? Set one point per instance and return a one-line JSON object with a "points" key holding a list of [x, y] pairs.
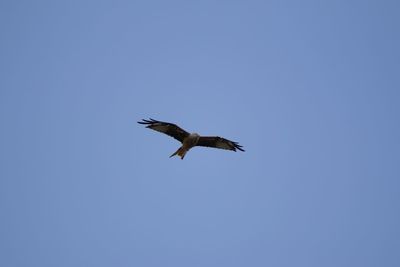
{"points": [[309, 88]]}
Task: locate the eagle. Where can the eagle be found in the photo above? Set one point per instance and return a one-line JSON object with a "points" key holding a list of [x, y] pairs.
{"points": [[189, 140]]}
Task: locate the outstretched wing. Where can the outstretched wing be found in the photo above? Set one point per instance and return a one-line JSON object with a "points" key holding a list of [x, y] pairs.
{"points": [[167, 128], [219, 142]]}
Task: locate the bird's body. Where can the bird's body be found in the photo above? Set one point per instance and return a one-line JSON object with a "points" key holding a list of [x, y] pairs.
{"points": [[189, 140]]}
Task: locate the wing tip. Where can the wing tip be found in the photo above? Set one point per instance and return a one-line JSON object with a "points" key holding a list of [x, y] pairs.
{"points": [[237, 146], [150, 121]]}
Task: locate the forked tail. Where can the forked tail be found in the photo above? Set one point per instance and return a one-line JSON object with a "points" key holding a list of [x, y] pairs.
{"points": [[181, 152]]}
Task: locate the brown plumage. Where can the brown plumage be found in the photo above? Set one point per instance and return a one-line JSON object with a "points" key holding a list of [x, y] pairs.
{"points": [[189, 140]]}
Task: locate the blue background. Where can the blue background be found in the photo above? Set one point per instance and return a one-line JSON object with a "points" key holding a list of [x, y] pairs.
{"points": [[309, 88]]}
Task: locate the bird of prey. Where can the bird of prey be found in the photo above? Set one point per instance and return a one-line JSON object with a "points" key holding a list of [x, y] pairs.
{"points": [[189, 140]]}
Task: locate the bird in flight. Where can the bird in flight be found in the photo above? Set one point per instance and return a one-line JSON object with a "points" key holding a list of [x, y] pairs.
{"points": [[189, 140]]}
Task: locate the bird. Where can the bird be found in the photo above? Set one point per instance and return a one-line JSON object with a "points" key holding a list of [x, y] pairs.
{"points": [[189, 140]]}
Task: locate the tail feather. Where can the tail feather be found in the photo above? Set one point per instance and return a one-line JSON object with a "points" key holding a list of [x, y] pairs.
{"points": [[181, 152]]}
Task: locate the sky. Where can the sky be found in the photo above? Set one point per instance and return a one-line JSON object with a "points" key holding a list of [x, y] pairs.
{"points": [[309, 88]]}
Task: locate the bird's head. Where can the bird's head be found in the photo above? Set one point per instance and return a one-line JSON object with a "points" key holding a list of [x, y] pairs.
{"points": [[195, 135]]}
